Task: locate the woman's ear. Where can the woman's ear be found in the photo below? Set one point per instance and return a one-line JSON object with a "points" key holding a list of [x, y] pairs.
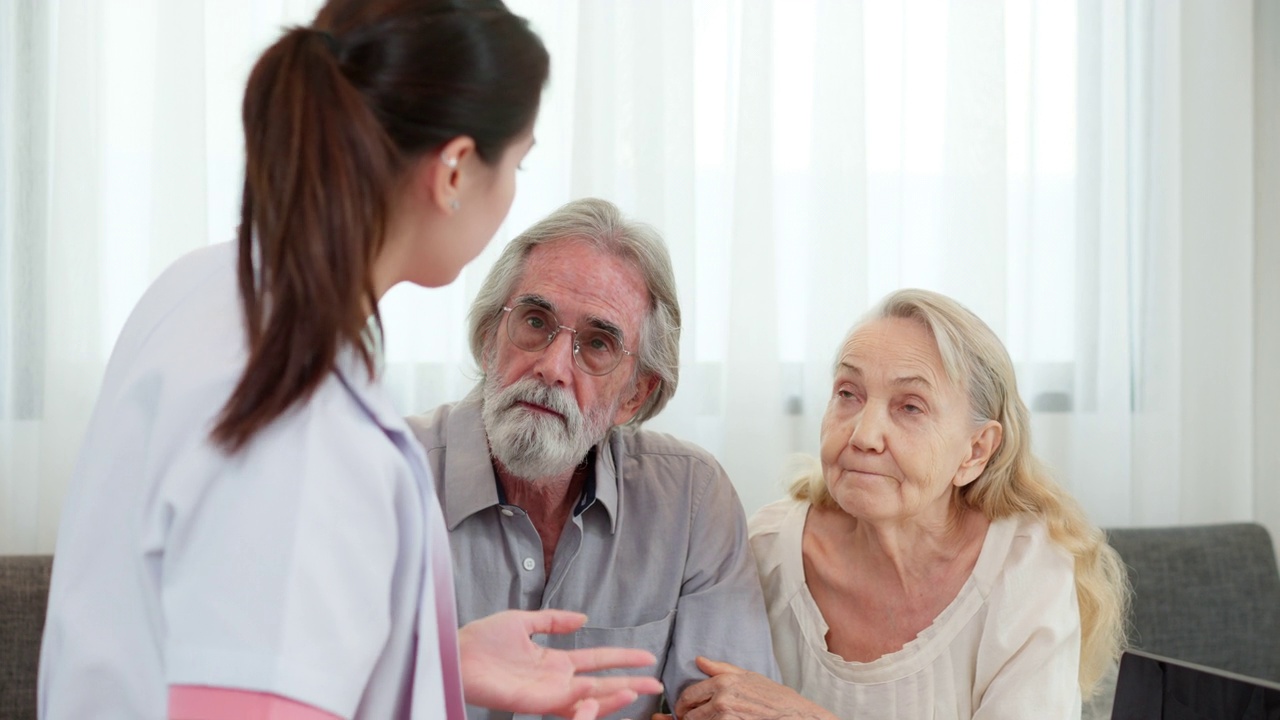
{"points": [[982, 446], [446, 173]]}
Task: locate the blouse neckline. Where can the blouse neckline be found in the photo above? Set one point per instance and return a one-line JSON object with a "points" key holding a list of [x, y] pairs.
{"points": [[919, 652]]}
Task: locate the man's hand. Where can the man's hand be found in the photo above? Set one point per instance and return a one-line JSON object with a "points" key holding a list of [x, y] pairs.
{"points": [[731, 692], [503, 669]]}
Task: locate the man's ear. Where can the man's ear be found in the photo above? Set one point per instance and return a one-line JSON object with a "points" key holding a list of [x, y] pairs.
{"points": [[447, 172], [982, 446], [644, 387]]}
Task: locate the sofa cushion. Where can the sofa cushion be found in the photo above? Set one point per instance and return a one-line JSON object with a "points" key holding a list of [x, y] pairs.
{"points": [[1207, 594], [24, 593]]}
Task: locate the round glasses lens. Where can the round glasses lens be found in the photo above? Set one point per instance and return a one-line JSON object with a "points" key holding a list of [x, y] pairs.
{"points": [[531, 327], [598, 350]]}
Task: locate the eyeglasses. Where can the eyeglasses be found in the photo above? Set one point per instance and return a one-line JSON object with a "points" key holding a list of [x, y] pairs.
{"points": [[532, 328]]}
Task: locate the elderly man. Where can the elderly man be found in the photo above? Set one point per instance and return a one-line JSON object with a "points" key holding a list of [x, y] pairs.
{"points": [[553, 495]]}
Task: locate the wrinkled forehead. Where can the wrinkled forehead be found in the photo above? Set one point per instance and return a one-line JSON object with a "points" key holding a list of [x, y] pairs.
{"points": [[898, 349], [579, 281]]}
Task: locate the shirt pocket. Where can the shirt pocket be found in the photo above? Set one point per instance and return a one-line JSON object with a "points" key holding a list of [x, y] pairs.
{"points": [[653, 636]]}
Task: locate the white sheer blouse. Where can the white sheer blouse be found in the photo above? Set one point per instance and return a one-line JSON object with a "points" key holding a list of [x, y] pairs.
{"points": [[1007, 647]]}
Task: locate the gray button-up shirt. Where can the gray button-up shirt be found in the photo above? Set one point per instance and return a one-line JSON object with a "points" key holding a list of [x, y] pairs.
{"points": [[658, 559]]}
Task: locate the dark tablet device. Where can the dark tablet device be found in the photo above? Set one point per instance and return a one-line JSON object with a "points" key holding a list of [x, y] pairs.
{"points": [[1151, 687]]}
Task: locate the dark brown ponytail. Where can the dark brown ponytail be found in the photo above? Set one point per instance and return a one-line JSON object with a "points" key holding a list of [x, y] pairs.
{"points": [[332, 115]]}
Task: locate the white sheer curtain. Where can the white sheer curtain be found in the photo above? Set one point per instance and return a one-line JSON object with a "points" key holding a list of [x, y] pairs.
{"points": [[1080, 174]]}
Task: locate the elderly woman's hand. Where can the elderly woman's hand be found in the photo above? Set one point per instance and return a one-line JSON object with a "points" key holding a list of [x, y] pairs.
{"points": [[731, 692]]}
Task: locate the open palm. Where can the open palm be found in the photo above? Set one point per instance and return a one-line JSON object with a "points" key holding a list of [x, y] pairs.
{"points": [[503, 669]]}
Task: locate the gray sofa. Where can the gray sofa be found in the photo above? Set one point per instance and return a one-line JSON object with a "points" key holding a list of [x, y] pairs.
{"points": [[1208, 594], [24, 590]]}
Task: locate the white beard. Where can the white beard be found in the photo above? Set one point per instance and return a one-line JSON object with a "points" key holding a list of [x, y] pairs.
{"points": [[533, 445]]}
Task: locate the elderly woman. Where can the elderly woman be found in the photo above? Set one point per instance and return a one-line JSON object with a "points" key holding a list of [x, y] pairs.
{"points": [[930, 568]]}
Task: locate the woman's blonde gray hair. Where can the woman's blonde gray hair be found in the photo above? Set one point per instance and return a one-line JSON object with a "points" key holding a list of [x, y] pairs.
{"points": [[602, 225], [1014, 481]]}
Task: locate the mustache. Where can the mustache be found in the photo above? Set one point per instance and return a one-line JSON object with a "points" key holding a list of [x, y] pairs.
{"points": [[528, 390]]}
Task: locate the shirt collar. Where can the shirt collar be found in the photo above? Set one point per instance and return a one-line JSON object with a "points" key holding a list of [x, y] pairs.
{"points": [[606, 476], [470, 485], [585, 499]]}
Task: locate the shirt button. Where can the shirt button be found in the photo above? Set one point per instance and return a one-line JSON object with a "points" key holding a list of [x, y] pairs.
{"points": [[507, 512], [529, 564]]}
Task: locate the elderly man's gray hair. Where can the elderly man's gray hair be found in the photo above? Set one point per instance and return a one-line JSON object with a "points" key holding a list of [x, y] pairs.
{"points": [[600, 224]]}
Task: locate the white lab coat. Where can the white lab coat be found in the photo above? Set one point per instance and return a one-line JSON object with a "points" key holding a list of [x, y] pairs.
{"points": [[295, 567]]}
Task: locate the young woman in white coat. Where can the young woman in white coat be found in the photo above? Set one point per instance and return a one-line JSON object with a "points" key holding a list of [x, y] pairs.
{"points": [[250, 530]]}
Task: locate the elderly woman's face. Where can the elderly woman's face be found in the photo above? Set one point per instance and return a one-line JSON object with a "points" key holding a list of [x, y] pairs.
{"points": [[897, 434]]}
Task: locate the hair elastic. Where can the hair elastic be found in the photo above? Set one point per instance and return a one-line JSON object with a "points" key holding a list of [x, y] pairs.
{"points": [[330, 41]]}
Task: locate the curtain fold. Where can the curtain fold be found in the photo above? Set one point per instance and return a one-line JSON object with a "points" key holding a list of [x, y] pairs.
{"points": [[1079, 174], [1266, 188]]}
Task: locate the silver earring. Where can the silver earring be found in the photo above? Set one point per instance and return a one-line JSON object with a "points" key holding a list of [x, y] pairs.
{"points": [[451, 162], [454, 205]]}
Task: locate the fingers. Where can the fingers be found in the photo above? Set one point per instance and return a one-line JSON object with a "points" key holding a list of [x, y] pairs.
{"points": [[599, 687], [550, 621], [714, 667], [694, 696], [587, 710], [605, 658], [616, 701], [699, 693]]}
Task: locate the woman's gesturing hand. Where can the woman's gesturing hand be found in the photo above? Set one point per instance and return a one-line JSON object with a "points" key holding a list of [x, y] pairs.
{"points": [[731, 692], [503, 669]]}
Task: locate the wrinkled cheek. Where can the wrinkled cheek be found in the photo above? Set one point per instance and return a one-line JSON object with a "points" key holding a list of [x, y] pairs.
{"points": [[831, 442], [831, 475], [941, 471], [857, 499], [510, 364], [852, 496]]}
